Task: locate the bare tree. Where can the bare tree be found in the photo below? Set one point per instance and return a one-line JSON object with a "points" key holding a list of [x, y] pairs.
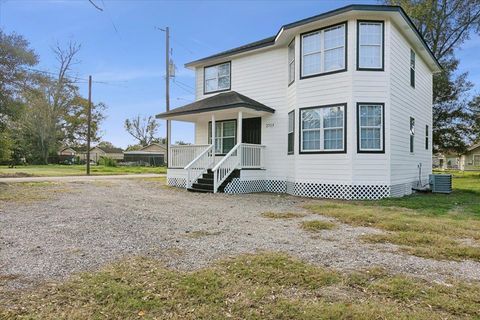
{"points": [[142, 129]]}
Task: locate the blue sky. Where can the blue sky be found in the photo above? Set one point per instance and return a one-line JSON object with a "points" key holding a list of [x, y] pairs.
{"points": [[120, 46]]}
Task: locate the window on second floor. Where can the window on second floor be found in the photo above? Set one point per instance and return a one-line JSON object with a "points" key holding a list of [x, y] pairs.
{"points": [[323, 51], [322, 129], [412, 68], [370, 45], [217, 78], [291, 62], [291, 132], [427, 134]]}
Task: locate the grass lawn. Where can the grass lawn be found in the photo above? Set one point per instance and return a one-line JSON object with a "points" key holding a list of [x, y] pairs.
{"points": [[53, 170], [262, 286], [428, 225]]}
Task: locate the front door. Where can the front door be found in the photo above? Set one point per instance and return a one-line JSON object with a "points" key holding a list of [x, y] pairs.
{"points": [[252, 130]]}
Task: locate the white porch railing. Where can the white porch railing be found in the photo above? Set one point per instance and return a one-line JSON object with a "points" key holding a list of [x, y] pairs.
{"points": [[180, 156], [243, 155], [200, 165]]}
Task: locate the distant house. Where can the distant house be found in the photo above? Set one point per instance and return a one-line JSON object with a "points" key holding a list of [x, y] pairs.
{"points": [[470, 160], [152, 155], [66, 155], [446, 161], [67, 151], [96, 153]]}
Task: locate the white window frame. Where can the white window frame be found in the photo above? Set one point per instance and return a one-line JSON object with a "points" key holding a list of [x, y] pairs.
{"points": [[412, 135], [291, 131], [291, 62], [473, 159], [412, 68], [321, 34], [217, 77], [219, 139], [381, 45], [381, 127], [321, 112]]}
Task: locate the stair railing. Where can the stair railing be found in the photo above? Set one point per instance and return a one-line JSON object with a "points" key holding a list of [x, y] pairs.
{"points": [[200, 165], [229, 162]]}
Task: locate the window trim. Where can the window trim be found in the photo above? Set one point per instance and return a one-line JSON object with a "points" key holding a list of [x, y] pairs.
{"points": [[383, 45], [214, 65], [427, 137], [413, 69], [300, 135], [411, 135], [329, 72], [290, 62], [219, 121], [382, 105], [291, 132]]}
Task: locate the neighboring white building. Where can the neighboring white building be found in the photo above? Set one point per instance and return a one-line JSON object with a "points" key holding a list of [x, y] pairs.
{"points": [[338, 105], [470, 160]]}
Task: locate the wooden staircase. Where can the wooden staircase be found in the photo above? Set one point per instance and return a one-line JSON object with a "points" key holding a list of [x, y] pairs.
{"points": [[205, 182]]}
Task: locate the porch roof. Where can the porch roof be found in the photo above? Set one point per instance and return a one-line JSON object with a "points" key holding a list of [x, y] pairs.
{"points": [[221, 101]]}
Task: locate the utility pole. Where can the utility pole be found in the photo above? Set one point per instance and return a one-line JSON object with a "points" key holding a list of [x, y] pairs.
{"points": [[167, 86], [89, 120]]}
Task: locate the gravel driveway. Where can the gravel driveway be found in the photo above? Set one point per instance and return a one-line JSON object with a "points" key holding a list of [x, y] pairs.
{"points": [[95, 223]]}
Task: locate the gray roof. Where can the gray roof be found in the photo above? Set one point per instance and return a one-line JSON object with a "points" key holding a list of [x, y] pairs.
{"points": [[355, 7], [221, 101]]}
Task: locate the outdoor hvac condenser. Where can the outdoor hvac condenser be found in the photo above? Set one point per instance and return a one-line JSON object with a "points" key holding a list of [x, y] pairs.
{"points": [[441, 183]]}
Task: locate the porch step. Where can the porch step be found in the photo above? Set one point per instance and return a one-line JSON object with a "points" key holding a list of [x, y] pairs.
{"points": [[205, 183]]}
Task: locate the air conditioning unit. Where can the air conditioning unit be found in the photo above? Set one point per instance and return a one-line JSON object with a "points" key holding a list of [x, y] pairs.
{"points": [[441, 183]]}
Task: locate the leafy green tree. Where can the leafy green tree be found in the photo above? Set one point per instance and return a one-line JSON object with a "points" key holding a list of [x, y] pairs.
{"points": [[16, 57], [446, 25]]}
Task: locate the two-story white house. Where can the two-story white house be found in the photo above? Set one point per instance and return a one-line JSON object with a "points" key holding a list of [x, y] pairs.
{"points": [[338, 105]]}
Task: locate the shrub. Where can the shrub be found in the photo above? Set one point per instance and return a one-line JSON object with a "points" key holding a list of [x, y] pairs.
{"points": [[107, 162]]}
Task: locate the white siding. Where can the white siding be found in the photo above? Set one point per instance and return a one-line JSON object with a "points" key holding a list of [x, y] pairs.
{"points": [[409, 102]]}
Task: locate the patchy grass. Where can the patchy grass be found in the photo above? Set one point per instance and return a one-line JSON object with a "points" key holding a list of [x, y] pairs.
{"points": [[317, 225], [263, 286], [53, 170], [427, 225], [28, 192], [282, 215]]}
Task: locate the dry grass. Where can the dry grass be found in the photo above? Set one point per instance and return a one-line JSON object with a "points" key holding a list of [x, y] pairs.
{"points": [[201, 233], [420, 234], [263, 286], [317, 225], [282, 215], [28, 192]]}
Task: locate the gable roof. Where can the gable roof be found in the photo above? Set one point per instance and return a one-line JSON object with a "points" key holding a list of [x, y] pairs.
{"points": [[221, 101], [270, 41], [108, 150], [473, 147]]}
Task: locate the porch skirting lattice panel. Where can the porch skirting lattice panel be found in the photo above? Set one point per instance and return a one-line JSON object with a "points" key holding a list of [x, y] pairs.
{"points": [[310, 189], [177, 182]]}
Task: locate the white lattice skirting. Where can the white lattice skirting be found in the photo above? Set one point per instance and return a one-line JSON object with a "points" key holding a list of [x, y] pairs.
{"points": [[177, 182], [309, 189]]}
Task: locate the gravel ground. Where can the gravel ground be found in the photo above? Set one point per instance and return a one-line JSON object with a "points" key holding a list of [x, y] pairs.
{"points": [[96, 223]]}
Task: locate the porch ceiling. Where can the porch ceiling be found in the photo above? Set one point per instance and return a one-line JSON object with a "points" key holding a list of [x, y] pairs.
{"points": [[223, 105]]}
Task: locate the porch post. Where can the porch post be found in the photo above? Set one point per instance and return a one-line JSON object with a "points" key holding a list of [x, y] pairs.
{"points": [[239, 127], [213, 132]]}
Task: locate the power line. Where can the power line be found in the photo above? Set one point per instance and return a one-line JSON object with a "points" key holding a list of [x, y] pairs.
{"points": [[183, 88], [186, 85]]}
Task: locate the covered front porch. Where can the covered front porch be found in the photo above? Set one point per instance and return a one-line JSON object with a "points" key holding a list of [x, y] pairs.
{"points": [[235, 122]]}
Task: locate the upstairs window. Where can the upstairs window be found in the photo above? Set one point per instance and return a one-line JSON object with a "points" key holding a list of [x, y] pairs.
{"points": [[370, 45], [412, 134], [225, 135], [217, 78], [371, 127], [412, 68], [322, 129], [291, 131], [427, 133], [323, 51], [291, 62]]}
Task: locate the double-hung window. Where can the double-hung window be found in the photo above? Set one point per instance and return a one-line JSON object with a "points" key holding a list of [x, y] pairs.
{"points": [[225, 135], [412, 134], [371, 127], [427, 134], [291, 62], [322, 129], [370, 45], [412, 68], [323, 51], [291, 132], [217, 78]]}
